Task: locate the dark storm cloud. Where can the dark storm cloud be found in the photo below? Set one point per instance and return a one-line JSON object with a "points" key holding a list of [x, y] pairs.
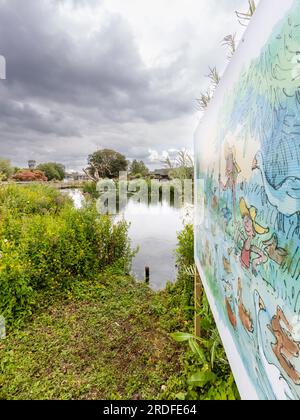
{"points": [[67, 94], [103, 71]]}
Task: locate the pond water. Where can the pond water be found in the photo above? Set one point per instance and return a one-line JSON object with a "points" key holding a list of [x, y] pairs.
{"points": [[153, 229]]}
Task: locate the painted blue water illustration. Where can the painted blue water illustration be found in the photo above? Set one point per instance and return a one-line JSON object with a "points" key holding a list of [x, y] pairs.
{"points": [[248, 246]]}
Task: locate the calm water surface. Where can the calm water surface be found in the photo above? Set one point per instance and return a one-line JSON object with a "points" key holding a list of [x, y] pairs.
{"points": [[153, 229]]}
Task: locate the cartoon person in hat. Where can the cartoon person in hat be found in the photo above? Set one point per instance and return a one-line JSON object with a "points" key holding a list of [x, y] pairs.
{"points": [[252, 228]]}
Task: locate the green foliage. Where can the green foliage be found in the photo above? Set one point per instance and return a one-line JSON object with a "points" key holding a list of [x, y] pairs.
{"points": [[90, 188], [33, 199], [102, 340], [181, 173], [186, 268], [6, 170], [53, 171], [185, 247], [139, 169], [106, 163], [207, 372], [47, 244]]}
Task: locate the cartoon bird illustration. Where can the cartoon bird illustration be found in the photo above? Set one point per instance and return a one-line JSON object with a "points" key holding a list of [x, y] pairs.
{"points": [[244, 315], [275, 253], [231, 314], [285, 348], [269, 373], [285, 196]]}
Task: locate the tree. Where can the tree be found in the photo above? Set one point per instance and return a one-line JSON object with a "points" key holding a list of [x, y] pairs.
{"points": [[105, 163], [138, 168], [30, 175], [53, 171], [6, 170]]}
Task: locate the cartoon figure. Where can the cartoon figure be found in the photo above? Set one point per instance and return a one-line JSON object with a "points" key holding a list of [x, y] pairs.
{"points": [[276, 254], [252, 228], [244, 315], [232, 172], [285, 348]]}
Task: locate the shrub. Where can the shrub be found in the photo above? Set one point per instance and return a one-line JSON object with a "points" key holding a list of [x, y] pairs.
{"points": [[207, 373], [53, 171], [90, 188], [185, 263], [33, 199], [48, 244], [6, 170], [30, 175]]}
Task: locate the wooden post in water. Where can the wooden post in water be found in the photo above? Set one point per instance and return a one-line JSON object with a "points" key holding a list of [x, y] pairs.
{"points": [[197, 298], [147, 275]]}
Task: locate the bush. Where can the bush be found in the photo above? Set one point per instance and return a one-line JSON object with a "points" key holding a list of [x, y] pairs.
{"points": [[6, 170], [53, 171], [90, 188], [30, 175], [33, 199], [48, 245], [207, 373], [185, 263]]}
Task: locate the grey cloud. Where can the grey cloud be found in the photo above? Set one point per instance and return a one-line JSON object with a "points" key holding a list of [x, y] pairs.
{"points": [[65, 96]]}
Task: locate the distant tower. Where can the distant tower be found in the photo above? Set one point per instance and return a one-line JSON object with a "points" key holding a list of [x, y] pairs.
{"points": [[31, 164]]}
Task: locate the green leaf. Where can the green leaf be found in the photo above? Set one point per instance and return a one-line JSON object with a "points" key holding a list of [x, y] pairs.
{"points": [[197, 350], [180, 337], [180, 396], [200, 379]]}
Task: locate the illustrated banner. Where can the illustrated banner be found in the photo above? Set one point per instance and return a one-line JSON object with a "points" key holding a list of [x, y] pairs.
{"points": [[247, 150]]}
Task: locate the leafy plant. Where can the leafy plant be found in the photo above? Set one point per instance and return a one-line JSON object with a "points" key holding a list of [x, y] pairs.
{"points": [[46, 244], [53, 171], [208, 374]]}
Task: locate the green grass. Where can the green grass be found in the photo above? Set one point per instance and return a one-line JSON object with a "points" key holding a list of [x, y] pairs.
{"points": [[106, 340]]}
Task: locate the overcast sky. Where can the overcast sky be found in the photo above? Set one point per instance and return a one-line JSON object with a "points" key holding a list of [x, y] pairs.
{"points": [[120, 74]]}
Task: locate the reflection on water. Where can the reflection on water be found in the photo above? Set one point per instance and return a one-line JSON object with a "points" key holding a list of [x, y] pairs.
{"points": [[76, 195], [153, 229]]}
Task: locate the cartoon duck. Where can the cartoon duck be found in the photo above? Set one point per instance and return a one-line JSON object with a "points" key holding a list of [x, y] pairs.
{"points": [[231, 314], [244, 315], [285, 196], [269, 372], [275, 253], [285, 348]]}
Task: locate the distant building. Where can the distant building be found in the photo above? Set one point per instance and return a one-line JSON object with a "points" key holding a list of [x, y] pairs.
{"points": [[76, 176], [31, 164], [161, 174]]}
